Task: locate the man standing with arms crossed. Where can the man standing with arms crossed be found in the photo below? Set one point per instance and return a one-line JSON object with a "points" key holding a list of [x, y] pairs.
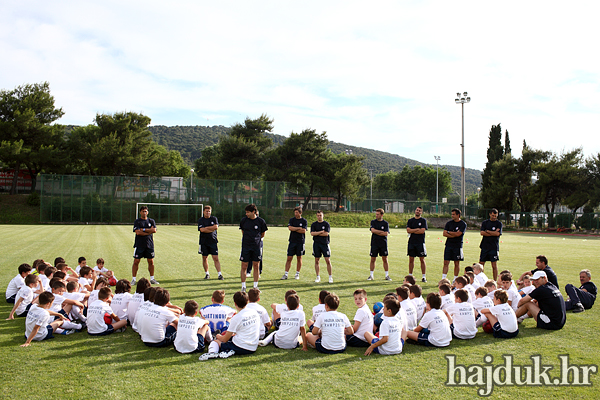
{"points": [[143, 228], [297, 227], [454, 231], [380, 229], [208, 225], [253, 229], [416, 228], [320, 233], [491, 229]]}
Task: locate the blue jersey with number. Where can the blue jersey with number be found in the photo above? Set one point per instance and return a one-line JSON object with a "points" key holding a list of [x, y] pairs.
{"points": [[217, 316]]}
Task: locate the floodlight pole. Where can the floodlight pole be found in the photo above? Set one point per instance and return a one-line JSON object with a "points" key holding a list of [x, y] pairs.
{"points": [[462, 100], [437, 184], [192, 184]]}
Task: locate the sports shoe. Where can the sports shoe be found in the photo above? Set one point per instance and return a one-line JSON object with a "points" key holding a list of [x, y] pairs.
{"points": [[121, 329], [133, 282], [208, 356], [243, 290], [388, 278], [577, 308], [331, 279], [370, 278], [68, 331], [424, 280], [220, 277], [297, 276], [248, 275], [226, 354], [207, 276], [154, 282], [262, 343], [284, 277], [318, 279]]}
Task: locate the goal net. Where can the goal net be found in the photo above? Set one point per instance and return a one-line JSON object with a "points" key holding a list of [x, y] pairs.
{"points": [[172, 213]]}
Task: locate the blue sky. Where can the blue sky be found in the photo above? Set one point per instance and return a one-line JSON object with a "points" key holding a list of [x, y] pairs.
{"points": [[381, 75]]}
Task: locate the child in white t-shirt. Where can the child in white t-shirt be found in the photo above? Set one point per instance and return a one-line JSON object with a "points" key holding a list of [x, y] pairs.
{"points": [[481, 301], [101, 320], [136, 300], [491, 287], [87, 279], [408, 306], [291, 332], [217, 314], [25, 296], [37, 325], [434, 328], [415, 295], [81, 262], [506, 283], [63, 306], [98, 284], [329, 333], [391, 333], [363, 321], [73, 293], [104, 272], [446, 295], [502, 317], [317, 310], [527, 286], [279, 308], [120, 301], [461, 282], [461, 316], [152, 326], [192, 331], [254, 298], [242, 335], [480, 277]]}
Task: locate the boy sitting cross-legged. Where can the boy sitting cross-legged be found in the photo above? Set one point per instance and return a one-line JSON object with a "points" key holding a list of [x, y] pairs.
{"points": [[290, 328], [99, 311], [25, 296], [502, 317], [434, 328], [192, 331], [391, 333], [38, 325], [328, 334], [242, 335], [158, 327]]}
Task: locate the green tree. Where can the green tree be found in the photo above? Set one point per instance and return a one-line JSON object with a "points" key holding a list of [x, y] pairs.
{"points": [[348, 177], [494, 153], [27, 138], [593, 167], [302, 160], [525, 196]]}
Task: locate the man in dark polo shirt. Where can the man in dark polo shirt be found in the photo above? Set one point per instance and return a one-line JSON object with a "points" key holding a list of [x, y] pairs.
{"points": [[541, 264], [549, 312], [297, 227], [583, 298]]}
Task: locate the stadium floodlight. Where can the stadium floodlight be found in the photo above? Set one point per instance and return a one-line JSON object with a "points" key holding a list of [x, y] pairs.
{"points": [[464, 99]]}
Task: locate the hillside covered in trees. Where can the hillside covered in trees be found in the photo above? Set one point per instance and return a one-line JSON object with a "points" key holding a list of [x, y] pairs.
{"points": [[191, 140]]}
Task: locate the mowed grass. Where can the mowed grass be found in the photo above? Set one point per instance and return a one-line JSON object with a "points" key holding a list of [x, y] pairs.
{"points": [[120, 366]]}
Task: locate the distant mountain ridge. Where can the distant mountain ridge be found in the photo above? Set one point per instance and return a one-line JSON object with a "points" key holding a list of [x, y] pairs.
{"points": [[190, 140]]}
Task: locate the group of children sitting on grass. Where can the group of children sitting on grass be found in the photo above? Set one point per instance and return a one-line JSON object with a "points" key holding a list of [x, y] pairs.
{"points": [[60, 300]]}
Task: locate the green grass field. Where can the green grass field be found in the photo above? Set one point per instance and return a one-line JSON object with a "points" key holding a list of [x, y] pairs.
{"points": [[120, 366]]}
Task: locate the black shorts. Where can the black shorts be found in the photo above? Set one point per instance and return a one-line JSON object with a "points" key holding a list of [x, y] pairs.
{"points": [[416, 250], [453, 254], [489, 255], [500, 333], [324, 350], [170, 335], [207, 249], [251, 253], [239, 351], [354, 341], [109, 330], [379, 251], [544, 322], [295, 249], [143, 253], [321, 250]]}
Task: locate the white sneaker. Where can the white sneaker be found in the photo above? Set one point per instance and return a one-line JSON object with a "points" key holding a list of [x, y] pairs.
{"points": [[331, 279], [370, 278], [154, 282], [297, 276], [388, 278], [133, 282], [226, 354], [284, 277], [316, 280], [207, 356], [248, 274]]}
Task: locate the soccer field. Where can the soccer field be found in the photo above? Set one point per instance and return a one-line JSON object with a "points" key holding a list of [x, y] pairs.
{"points": [[120, 366]]}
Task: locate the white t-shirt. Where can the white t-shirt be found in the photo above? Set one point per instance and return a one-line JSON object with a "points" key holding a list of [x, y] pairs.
{"points": [[136, 300], [316, 311], [37, 316], [139, 315], [392, 328], [26, 293], [411, 314], [289, 329], [365, 317], [527, 289], [401, 316], [264, 317], [93, 296], [471, 291], [280, 308], [186, 340], [481, 278], [420, 306], [463, 318], [83, 282], [246, 326], [447, 300], [95, 316], [481, 303], [440, 334], [102, 270], [506, 317], [513, 297], [77, 296], [14, 285], [119, 304], [45, 283], [217, 315], [152, 326], [332, 325], [57, 303]]}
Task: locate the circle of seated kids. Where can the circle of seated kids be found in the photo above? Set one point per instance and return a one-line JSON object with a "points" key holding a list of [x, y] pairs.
{"points": [[60, 300]]}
